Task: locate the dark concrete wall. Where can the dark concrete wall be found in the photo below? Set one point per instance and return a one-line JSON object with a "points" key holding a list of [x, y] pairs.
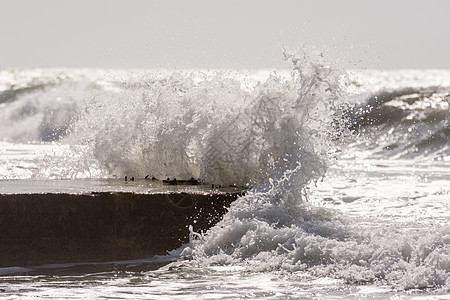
{"points": [[38, 229]]}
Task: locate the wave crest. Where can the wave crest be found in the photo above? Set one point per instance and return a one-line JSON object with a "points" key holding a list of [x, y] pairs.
{"points": [[213, 126]]}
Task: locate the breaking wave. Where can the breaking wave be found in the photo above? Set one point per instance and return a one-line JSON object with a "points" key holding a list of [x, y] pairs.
{"points": [[265, 231], [210, 125]]}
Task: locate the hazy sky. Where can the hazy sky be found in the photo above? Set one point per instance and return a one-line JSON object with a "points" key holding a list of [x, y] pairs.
{"points": [[222, 34]]}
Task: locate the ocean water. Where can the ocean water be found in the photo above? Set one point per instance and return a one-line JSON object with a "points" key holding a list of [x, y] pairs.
{"points": [[347, 172]]}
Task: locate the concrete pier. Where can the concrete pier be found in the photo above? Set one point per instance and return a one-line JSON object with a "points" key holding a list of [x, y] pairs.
{"points": [[44, 228]]}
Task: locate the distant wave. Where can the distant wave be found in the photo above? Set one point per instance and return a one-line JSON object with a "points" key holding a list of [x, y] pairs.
{"points": [[406, 122], [13, 93], [41, 112]]}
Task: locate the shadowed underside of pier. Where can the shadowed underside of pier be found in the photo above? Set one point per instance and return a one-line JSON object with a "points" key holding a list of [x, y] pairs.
{"points": [[38, 229]]}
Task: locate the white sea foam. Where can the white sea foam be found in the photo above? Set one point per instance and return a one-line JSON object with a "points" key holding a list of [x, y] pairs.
{"points": [[266, 232], [206, 125]]}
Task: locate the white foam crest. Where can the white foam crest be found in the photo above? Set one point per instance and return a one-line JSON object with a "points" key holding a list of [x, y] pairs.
{"points": [[265, 236], [215, 126], [156, 127]]}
